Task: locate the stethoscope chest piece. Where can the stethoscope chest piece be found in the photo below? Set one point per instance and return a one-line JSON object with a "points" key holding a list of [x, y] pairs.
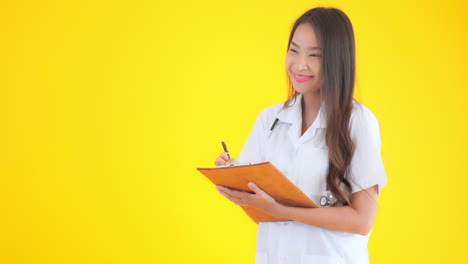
{"points": [[327, 200]]}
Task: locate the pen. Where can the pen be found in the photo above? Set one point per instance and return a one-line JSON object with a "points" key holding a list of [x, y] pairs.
{"points": [[225, 149]]}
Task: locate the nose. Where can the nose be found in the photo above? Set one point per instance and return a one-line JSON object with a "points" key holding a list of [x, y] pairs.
{"points": [[301, 63]]}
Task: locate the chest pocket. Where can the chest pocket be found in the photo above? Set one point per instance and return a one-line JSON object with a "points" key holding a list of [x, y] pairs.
{"points": [[312, 170]]}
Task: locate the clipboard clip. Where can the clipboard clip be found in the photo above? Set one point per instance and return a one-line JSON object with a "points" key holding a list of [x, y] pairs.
{"points": [[234, 165]]}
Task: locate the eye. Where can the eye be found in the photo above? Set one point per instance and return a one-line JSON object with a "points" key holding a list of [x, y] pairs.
{"points": [[293, 50], [314, 55]]}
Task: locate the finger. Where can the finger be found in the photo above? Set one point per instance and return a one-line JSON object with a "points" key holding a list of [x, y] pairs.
{"points": [[233, 199], [234, 193], [219, 161], [233, 161], [254, 187], [224, 156]]}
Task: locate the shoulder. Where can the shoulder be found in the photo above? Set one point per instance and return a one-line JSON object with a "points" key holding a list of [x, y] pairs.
{"points": [[362, 115], [271, 111], [267, 115], [363, 122]]}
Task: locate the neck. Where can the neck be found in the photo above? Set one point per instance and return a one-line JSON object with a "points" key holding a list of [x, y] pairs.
{"points": [[310, 108], [311, 102]]}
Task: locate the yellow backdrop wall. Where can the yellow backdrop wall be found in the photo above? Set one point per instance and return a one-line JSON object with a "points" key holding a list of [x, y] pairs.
{"points": [[107, 107]]}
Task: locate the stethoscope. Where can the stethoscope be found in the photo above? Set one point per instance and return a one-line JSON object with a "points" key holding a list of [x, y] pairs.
{"points": [[326, 200]]}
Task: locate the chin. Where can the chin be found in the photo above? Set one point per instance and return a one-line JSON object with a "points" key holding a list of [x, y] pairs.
{"points": [[301, 89], [305, 89]]}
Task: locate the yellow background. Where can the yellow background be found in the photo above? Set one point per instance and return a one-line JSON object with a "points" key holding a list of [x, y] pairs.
{"points": [[107, 107]]}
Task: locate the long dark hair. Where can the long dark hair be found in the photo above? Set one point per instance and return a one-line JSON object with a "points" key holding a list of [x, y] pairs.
{"points": [[335, 34]]}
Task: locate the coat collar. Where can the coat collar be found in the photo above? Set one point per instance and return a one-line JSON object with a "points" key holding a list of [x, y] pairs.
{"points": [[293, 114]]}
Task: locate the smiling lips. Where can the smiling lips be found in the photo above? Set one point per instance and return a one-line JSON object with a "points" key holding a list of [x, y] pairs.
{"points": [[302, 77]]}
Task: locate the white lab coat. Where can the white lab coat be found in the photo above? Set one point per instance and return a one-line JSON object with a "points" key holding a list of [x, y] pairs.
{"points": [[304, 160]]}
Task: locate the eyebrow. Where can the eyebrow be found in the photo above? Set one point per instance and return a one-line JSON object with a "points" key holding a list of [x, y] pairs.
{"points": [[309, 48]]}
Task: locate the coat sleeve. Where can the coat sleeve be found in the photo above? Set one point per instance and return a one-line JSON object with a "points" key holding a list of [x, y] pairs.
{"points": [[255, 147], [366, 168]]}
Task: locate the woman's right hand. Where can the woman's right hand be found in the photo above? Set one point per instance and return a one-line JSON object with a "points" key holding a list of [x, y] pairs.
{"points": [[224, 160]]}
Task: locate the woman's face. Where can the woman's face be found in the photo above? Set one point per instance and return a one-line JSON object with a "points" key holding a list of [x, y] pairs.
{"points": [[304, 60]]}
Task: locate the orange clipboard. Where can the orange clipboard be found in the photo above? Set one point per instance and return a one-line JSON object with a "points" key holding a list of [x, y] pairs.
{"points": [[268, 178]]}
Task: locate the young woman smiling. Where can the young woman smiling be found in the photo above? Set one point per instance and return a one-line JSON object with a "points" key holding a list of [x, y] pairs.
{"points": [[325, 142]]}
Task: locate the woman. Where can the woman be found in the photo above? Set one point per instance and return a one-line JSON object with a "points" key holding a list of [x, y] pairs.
{"points": [[325, 142]]}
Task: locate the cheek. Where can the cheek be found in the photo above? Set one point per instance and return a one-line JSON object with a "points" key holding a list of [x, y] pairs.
{"points": [[317, 66], [289, 62]]}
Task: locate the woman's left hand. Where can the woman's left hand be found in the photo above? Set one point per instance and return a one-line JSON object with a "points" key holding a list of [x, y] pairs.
{"points": [[259, 199]]}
